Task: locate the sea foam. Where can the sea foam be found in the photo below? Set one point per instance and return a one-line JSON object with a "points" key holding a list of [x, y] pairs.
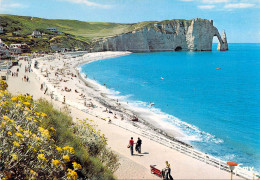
{"points": [[182, 130]]}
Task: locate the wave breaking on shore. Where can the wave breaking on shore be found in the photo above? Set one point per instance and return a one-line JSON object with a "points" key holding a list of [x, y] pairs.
{"points": [[177, 128]]}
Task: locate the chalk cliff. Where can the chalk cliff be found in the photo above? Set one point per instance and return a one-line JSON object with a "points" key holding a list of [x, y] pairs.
{"points": [[173, 35], [224, 45]]}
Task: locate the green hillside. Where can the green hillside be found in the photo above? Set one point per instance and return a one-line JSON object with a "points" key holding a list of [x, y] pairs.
{"points": [[85, 31], [75, 34]]}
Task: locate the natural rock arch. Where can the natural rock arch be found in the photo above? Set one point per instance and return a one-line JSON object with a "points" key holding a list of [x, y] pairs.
{"points": [[219, 38]]}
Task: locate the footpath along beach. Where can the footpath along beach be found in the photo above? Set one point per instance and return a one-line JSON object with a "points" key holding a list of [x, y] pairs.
{"points": [[58, 80]]}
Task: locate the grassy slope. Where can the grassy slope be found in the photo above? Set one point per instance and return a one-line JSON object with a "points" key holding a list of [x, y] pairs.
{"points": [[85, 31]]}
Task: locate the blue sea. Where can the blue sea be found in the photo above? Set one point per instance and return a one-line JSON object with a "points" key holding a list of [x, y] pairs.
{"points": [[212, 97]]}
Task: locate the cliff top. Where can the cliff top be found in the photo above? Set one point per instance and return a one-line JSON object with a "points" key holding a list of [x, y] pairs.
{"points": [[149, 24], [70, 33], [85, 31]]}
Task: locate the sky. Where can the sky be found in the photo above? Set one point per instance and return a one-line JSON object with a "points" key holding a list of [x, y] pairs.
{"points": [[239, 18]]}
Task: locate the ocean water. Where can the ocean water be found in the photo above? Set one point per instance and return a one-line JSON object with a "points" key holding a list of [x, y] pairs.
{"points": [[212, 97]]}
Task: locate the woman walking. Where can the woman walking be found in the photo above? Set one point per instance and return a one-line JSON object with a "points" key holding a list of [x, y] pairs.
{"points": [[168, 171]]}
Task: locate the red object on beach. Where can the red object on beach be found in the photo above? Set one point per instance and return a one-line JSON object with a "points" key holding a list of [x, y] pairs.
{"points": [[156, 171], [135, 119], [231, 163]]}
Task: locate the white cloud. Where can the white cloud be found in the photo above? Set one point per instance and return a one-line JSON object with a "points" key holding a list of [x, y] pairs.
{"points": [[215, 1], [238, 5], [6, 5], [89, 3], [208, 1], [206, 6], [225, 4], [15, 5]]}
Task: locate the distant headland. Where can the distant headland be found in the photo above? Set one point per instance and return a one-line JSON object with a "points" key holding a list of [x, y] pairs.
{"points": [[50, 35], [170, 35]]}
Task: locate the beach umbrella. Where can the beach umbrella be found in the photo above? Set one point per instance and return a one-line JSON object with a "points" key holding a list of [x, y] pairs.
{"points": [[232, 166]]}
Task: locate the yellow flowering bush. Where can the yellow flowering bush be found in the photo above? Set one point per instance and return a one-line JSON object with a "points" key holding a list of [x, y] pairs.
{"points": [[96, 143], [72, 174], [66, 158], [55, 162], [76, 166], [28, 150], [3, 85], [36, 143]]}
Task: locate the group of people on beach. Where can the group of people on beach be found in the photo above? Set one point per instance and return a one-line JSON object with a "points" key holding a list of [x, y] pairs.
{"points": [[137, 145], [25, 78], [16, 73], [27, 69], [166, 172]]}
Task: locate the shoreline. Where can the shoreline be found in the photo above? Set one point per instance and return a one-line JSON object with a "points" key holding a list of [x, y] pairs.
{"points": [[107, 102], [99, 100]]}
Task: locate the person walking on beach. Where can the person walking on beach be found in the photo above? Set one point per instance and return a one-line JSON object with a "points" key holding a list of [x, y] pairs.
{"points": [[138, 145], [131, 144], [46, 90], [167, 171]]}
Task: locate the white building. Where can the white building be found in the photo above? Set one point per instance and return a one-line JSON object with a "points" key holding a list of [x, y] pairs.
{"points": [[15, 49], [1, 30], [52, 29], [15, 45], [36, 34], [4, 50]]}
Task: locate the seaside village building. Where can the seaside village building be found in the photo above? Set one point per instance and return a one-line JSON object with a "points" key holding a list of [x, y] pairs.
{"points": [[16, 49], [52, 29], [1, 30], [4, 50], [16, 34], [36, 34]]}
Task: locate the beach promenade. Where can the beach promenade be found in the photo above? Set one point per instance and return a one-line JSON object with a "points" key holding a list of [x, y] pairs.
{"points": [[58, 81]]}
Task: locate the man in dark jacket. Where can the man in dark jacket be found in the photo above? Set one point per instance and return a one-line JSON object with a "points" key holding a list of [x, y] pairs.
{"points": [[138, 145]]}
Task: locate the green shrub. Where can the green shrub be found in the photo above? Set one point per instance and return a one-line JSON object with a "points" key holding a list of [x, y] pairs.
{"points": [[39, 142], [90, 145]]}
